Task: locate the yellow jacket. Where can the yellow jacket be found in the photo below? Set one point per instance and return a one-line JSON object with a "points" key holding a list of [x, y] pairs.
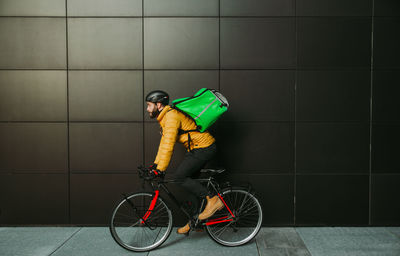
{"points": [[171, 120]]}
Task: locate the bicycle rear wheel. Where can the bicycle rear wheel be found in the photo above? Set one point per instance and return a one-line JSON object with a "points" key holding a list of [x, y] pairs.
{"points": [[135, 228], [246, 223]]}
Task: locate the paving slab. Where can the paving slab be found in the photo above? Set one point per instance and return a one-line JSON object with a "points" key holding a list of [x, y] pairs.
{"points": [[91, 241], [351, 241], [33, 241], [280, 241], [284, 252], [394, 230]]}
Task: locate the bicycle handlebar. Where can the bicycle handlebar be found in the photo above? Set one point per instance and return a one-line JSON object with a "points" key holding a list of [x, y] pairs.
{"points": [[143, 172]]}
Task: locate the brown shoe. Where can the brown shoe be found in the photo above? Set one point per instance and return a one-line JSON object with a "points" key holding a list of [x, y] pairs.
{"points": [[213, 204], [184, 229]]}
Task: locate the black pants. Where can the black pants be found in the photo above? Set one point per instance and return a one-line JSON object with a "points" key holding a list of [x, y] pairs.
{"points": [[190, 166]]}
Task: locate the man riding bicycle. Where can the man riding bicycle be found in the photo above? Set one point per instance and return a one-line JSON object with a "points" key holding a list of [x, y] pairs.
{"points": [[200, 148]]}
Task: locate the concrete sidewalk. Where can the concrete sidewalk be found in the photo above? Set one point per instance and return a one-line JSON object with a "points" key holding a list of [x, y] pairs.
{"points": [[324, 241]]}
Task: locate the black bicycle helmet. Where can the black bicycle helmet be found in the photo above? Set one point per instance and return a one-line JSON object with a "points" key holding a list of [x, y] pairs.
{"points": [[158, 96]]}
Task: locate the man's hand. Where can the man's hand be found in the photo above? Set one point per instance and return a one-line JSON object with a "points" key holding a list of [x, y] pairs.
{"points": [[155, 173]]}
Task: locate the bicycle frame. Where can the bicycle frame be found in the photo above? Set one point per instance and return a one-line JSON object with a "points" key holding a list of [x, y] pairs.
{"points": [[210, 184]]}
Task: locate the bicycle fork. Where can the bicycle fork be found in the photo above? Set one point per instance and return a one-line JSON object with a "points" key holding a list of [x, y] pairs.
{"points": [[151, 207]]}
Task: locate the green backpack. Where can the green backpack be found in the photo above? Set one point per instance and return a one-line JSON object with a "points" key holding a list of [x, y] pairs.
{"points": [[204, 108]]}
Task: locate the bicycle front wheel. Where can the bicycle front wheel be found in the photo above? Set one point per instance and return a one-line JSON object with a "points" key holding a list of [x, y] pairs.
{"points": [[246, 223], [136, 228]]}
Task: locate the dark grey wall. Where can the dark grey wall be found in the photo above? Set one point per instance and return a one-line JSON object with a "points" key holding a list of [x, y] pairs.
{"points": [[313, 86]]}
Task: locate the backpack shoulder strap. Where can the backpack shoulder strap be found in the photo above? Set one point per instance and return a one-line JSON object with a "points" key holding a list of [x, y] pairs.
{"points": [[180, 132]]}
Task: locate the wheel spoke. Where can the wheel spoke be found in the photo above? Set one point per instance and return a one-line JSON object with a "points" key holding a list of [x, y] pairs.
{"points": [[128, 223], [249, 208], [220, 231], [125, 215], [245, 201]]}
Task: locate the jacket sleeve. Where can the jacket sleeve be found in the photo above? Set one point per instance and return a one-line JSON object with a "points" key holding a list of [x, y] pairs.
{"points": [[168, 139]]}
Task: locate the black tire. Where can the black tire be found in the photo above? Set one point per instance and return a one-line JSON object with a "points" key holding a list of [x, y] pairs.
{"points": [[128, 229], [246, 224]]}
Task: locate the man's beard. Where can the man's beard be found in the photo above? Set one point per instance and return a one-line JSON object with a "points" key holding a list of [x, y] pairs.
{"points": [[155, 113]]}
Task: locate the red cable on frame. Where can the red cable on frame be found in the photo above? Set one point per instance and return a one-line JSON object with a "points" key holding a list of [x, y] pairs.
{"points": [[226, 205], [225, 217], [218, 221], [151, 207]]}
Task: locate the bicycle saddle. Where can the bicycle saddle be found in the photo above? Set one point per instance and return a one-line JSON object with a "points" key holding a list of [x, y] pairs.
{"points": [[212, 171]]}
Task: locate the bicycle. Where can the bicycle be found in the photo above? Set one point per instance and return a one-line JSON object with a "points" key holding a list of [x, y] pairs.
{"points": [[143, 221]]}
